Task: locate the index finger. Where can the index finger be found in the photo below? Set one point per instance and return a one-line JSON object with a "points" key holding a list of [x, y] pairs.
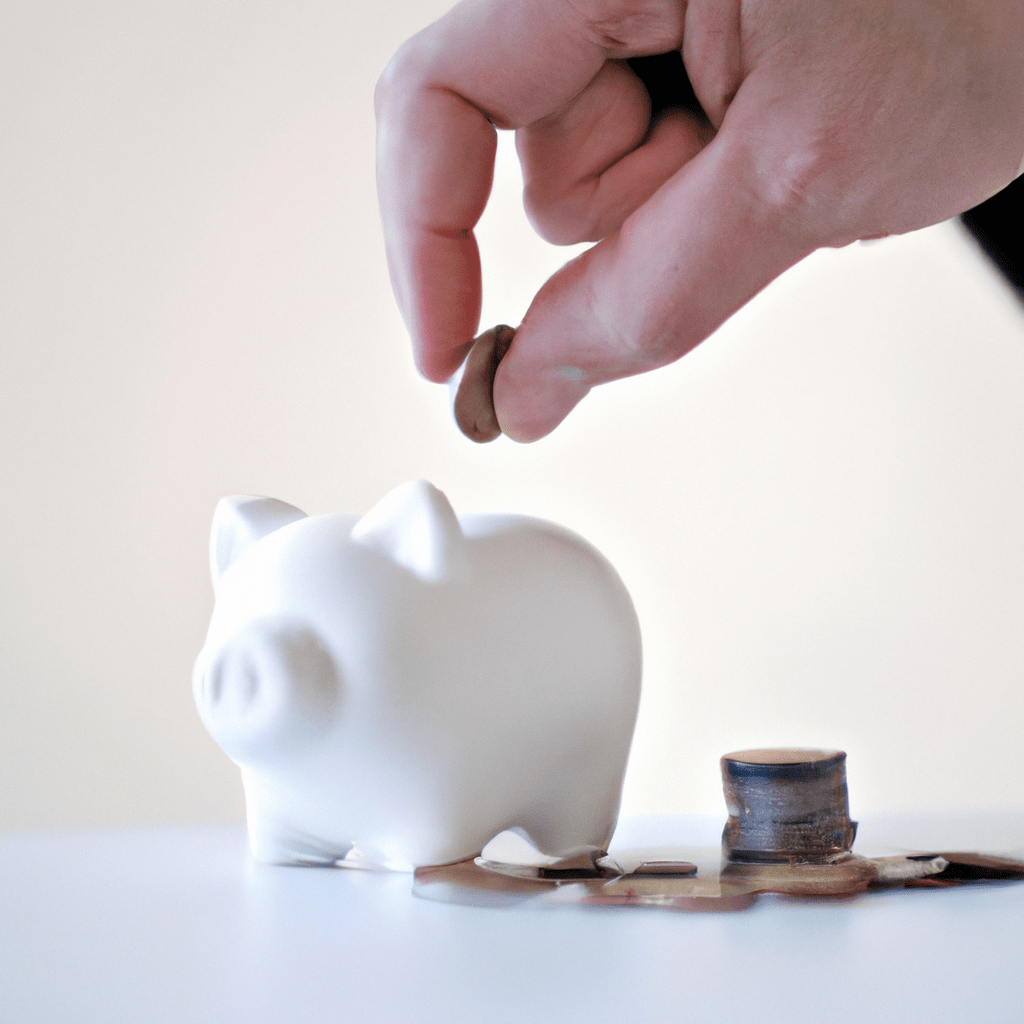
{"points": [[486, 64]]}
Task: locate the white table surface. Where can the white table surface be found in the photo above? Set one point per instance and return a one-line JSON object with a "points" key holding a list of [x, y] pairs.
{"points": [[177, 924]]}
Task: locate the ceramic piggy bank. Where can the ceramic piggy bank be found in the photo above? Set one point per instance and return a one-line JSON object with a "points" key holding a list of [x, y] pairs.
{"points": [[406, 685]]}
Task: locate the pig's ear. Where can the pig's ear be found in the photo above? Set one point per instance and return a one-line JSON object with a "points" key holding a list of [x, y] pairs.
{"points": [[416, 526], [242, 520]]}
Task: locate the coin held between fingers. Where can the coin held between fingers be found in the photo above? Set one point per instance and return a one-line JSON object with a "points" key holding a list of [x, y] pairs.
{"points": [[473, 385]]}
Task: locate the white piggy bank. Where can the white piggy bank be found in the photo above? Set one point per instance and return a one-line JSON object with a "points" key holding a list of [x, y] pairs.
{"points": [[412, 683]]}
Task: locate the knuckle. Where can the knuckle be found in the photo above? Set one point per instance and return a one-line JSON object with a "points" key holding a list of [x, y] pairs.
{"points": [[559, 220], [810, 184], [791, 181], [642, 341], [652, 348], [651, 25], [404, 74]]}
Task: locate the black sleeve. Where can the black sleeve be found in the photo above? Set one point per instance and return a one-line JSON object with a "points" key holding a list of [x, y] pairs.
{"points": [[996, 224]]}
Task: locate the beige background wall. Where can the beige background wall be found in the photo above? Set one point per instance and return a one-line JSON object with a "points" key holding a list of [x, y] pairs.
{"points": [[819, 512]]}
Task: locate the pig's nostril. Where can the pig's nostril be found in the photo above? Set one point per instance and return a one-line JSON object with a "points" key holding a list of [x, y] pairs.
{"points": [[250, 685], [212, 686]]}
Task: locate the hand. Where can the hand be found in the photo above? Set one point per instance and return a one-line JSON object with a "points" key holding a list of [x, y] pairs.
{"points": [[827, 121]]}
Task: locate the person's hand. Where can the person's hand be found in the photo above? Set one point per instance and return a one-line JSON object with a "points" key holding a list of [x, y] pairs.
{"points": [[827, 121]]}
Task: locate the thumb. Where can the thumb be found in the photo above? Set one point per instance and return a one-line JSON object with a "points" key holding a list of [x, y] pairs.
{"points": [[708, 240]]}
